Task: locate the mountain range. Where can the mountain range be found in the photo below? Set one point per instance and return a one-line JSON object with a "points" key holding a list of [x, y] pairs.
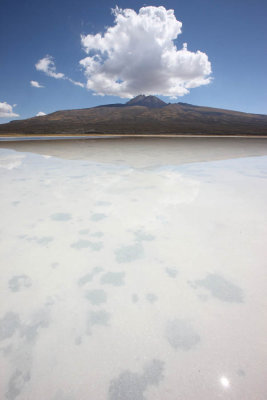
{"points": [[142, 115]]}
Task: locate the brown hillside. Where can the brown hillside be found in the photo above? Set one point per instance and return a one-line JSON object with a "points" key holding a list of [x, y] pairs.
{"points": [[137, 119]]}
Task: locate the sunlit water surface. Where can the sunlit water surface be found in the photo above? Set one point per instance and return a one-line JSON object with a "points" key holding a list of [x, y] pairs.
{"points": [[133, 270]]}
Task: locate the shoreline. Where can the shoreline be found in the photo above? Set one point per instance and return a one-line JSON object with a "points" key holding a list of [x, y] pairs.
{"points": [[4, 137]]}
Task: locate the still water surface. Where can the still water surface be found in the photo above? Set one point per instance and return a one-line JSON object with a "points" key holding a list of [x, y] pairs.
{"points": [[133, 269]]}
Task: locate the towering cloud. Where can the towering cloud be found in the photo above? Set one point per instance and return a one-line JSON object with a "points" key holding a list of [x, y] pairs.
{"points": [[138, 55], [6, 110]]}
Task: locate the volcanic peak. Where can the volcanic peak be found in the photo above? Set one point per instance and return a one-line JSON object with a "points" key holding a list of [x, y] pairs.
{"points": [[146, 101]]}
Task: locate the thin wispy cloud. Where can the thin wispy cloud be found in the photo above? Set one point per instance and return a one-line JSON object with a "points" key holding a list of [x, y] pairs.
{"points": [[76, 83], [138, 55], [6, 110], [47, 65], [40, 114], [36, 84]]}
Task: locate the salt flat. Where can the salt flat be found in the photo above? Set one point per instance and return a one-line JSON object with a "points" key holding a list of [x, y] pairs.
{"points": [[133, 269]]}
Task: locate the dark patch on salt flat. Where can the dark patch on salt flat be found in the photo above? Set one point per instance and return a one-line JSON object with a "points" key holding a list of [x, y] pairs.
{"points": [[98, 217], [96, 296], [16, 384], [100, 317], [38, 321], [82, 244], [61, 217], [97, 234], [241, 373], [171, 272], [131, 385], [8, 325], [142, 236], [220, 288], [84, 231], [181, 335], [151, 297], [113, 278], [88, 277], [19, 282], [126, 254]]}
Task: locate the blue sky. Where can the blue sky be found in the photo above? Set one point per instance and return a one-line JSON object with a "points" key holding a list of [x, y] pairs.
{"points": [[232, 34]]}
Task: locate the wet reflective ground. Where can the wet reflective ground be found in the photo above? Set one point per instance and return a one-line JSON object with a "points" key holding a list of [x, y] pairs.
{"points": [[133, 270]]}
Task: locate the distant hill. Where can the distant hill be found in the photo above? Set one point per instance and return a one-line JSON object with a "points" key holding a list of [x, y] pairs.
{"points": [[142, 115]]}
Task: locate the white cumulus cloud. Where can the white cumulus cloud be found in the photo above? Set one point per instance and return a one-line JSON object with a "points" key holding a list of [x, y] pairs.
{"points": [[40, 114], [138, 55], [6, 110], [36, 84], [47, 65]]}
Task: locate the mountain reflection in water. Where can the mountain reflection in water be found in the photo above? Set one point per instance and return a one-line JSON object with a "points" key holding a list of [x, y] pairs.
{"points": [[133, 269]]}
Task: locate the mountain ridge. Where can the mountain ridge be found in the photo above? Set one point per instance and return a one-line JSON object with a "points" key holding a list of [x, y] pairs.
{"points": [[142, 115], [140, 100]]}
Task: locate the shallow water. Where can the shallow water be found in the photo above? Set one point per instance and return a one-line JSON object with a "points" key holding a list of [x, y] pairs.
{"points": [[133, 269]]}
